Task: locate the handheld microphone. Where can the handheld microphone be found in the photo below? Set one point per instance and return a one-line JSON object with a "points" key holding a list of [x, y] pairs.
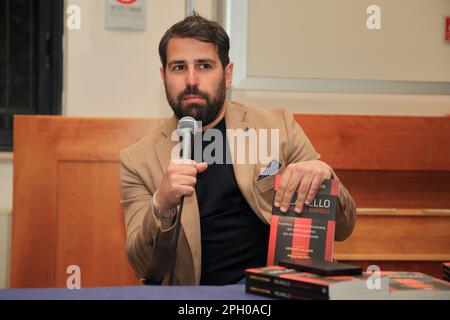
{"points": [[187, 126]]}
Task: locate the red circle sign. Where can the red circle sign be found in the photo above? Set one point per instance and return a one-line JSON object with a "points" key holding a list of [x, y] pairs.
{"points": [[126, 1]]}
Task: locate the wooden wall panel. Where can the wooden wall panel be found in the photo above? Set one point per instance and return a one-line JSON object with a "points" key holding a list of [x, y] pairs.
{"points": [[432, 268], [84, 194], [380, 142], [66, 206], [398, 189], [34, 207], [397, 236]]}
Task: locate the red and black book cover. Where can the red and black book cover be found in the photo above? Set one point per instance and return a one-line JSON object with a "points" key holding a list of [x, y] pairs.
{"points": [[303, 284], [306, 234], [416, 285], [414, 281]]}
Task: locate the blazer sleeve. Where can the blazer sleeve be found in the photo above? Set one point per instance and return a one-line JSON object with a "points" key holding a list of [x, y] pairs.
{"points": [[148, 246], [300, 149]]}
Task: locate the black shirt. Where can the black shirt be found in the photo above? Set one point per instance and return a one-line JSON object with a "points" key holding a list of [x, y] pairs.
{"points": [[233, 237]]}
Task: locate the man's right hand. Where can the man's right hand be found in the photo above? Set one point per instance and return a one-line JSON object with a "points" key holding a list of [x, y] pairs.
{"points": [[179, 180]]}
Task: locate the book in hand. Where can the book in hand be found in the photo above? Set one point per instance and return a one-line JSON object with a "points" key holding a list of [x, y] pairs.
{"points": [[320, 267], [306, 234], [417, 286], [283, 283]]}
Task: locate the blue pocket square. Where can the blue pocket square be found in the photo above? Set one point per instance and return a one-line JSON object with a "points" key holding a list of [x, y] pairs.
{"points": [[271, 169]]}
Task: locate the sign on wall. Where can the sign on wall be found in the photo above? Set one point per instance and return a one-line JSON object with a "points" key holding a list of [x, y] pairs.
{"points": [[447, 29], [127, 15]]}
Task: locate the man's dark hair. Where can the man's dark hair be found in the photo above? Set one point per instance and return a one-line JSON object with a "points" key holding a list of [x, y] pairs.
{"points": [[201, 29]]}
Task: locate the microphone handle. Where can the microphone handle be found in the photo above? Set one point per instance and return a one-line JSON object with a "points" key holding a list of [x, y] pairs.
{"points": [[173, 256], [186, 146], [186, 154]]}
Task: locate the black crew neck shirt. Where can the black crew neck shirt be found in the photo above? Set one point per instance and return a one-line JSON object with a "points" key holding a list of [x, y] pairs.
{"points": [[233, 237]]}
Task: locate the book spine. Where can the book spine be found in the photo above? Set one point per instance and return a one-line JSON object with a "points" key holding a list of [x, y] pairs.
{"points": [[280, 292], [274, 281]]}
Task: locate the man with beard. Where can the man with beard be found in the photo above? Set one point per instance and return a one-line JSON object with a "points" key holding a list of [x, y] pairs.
{"points": [[227, 206]]}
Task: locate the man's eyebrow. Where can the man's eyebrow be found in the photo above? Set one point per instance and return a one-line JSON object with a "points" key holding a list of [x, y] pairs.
{"points": [[205, 61], [171, 63]]}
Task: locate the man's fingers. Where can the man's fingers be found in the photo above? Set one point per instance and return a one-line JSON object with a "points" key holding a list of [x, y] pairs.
{"points": [[201, 167], [185, 191], [185, 180], [188, 162], [186, 168], [304, 178], [282, 184], [315, 185], [289, 192], [302, 192]]}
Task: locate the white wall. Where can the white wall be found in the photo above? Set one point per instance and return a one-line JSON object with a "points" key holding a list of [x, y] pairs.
{"points": [[329, 40], [348, 103], [116, 73], [6, 178], [6, 182]]}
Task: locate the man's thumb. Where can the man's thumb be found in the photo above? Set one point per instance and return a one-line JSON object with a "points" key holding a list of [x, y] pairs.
{"points": [[201, 167]]}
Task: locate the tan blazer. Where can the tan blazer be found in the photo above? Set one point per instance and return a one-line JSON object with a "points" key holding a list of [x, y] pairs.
{"points": [[148, 247]]}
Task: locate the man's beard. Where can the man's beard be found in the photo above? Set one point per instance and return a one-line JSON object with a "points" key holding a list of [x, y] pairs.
{"points": [[206, 113]]}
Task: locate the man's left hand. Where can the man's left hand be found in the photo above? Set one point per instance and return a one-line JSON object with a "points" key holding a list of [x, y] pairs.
{"points": [[304, 177]]}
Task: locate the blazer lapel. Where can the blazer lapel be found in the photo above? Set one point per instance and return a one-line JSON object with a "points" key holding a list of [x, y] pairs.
{"points": [[190, 218], [164, 148], [244, 172]]}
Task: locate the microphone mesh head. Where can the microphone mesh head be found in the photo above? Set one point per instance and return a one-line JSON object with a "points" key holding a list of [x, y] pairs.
{"points": [[188, 123]]}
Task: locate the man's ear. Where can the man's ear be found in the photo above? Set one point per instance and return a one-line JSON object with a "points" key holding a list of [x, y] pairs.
{"points": [[229, 75], [163, 76]]}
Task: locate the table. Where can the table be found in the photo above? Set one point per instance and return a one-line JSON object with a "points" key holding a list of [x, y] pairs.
{"points": [[230, 292]]}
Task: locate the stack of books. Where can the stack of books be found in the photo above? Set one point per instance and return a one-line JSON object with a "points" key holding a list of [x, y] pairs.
{"points": [[283, 283], [446, 270], [300, 260]]}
